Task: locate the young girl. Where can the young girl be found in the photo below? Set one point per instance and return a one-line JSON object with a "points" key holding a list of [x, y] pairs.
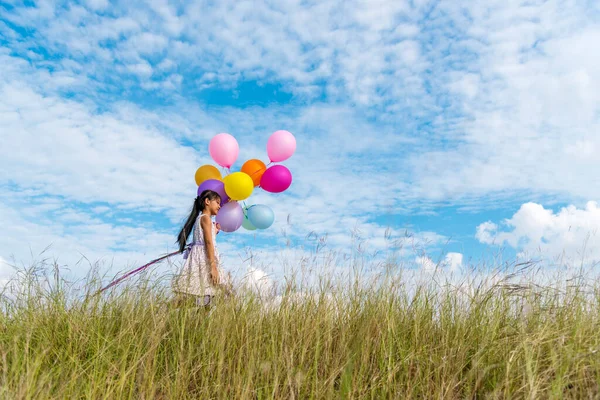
{"points": [[201, 276]]}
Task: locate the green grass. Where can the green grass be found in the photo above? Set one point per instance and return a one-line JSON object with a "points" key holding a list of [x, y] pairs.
{"points": [[379, 341]]}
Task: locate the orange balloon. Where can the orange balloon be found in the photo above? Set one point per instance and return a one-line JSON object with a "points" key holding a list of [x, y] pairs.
{"points": [[255, 169], [207, 172]]}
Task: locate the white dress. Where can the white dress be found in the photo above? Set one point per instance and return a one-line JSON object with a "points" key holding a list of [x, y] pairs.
{"points": [[195, 278]]}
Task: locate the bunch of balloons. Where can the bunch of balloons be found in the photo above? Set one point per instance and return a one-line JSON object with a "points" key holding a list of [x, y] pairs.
{"points": [[238, 186]]}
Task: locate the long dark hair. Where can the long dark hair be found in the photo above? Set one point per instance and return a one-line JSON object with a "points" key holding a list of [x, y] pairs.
{"points": [[197, 208]]}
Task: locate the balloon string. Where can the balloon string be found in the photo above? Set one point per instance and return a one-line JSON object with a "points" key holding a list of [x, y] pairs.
{"points": [[116, 281], [256, 172]]}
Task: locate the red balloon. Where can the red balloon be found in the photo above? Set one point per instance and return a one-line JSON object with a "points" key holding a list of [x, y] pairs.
{"points": [[276, 179]]}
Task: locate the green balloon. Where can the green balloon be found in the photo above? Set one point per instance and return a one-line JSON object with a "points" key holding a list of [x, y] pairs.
{"points": [[247, 224]]}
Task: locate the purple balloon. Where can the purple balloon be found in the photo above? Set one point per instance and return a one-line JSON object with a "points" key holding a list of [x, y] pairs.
{"points": [[214, 185], [276, 179], [230, 217]]}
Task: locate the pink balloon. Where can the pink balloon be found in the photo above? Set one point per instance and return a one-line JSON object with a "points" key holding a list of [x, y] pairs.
{"points": [[276, 179], [224, 149], [281, 146]]}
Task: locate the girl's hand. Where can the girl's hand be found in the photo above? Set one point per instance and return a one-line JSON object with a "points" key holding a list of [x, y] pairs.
{"points": [[218, 225], [214, 274]]}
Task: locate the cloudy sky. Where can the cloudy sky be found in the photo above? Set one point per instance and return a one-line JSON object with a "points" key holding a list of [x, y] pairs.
{"points": [[453, 130]]}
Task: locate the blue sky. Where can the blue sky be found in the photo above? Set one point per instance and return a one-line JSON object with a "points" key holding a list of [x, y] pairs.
{"points": [[454, 129]]}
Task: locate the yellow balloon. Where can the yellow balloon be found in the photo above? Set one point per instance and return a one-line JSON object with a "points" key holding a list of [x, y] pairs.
{"points": [[238, 186], [207, 172]]}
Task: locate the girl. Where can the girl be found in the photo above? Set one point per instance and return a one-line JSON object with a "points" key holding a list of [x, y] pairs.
{"points": [[201, 275]]}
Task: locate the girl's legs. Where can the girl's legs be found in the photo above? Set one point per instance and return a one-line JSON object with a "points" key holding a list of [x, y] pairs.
{"points": [[184, 300], [204, 301], [188, 300]]}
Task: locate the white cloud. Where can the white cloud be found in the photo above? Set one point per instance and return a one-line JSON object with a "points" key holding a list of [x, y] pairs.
{"points": [[426, 263], [454, 261], [352, 48], [84, 156], [486, 232], [526, 105], [132, 160], [414, 111], [97, 4], [7, 272], [167, 65], [143, 69], [257, 281], [526, 101], [70, 235], [148, 43], [568, 236]]}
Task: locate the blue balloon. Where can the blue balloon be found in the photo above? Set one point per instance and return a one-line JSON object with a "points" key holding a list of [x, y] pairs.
{"points": [[261, 216]]}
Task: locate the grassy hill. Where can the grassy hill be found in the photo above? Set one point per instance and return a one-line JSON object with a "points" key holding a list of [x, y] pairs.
{"points": [[380, 340]]}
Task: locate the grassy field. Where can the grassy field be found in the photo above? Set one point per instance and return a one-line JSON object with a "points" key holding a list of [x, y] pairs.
{"points": [[385, 340]]}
